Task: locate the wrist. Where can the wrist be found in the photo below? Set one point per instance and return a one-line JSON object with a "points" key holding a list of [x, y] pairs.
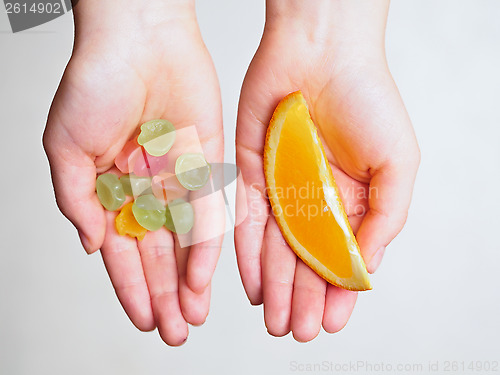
{"points": [[97, 19], [345, 27]]}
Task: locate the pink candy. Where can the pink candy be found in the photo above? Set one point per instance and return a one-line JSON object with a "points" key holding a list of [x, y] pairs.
{"points": [[166, 187], [134, 159]]}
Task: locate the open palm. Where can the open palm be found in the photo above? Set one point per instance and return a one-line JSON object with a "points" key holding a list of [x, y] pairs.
{"points": [[372, 150], [112, 84]]}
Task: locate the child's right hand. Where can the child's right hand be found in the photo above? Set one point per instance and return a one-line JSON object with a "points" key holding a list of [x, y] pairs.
{"points": [[131, 64]]}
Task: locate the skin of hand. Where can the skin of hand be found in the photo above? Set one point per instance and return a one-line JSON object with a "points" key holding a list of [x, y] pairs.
{"points": [[130, 64], [334, 52]]}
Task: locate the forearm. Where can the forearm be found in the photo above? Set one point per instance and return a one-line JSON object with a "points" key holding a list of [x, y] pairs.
{"points": [[341, 24]]}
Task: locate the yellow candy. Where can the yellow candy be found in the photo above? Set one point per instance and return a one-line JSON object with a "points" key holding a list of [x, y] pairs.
{"points": [[126, 224]]}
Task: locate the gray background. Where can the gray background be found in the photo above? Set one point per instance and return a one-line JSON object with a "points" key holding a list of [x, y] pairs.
{"points": [[435, 296]]}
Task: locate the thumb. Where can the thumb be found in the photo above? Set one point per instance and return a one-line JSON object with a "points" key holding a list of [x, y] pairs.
{"points": [[73, 176], [390, 194]]}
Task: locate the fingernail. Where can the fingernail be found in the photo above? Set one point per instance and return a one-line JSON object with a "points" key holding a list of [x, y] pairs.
{"points": [[85, 242], [376, 260]]}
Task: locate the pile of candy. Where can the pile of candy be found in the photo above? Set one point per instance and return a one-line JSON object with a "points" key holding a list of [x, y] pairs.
{"points": [[158, 194]]}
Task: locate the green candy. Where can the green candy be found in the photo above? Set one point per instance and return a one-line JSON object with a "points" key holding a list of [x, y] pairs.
{"points": [[135, 185], [179, 216], [192, 171], [157, 137], [110, 191], [149, 212]]}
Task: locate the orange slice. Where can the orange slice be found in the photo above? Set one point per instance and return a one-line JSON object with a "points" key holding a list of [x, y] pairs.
{"points": [[305, 198]]}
